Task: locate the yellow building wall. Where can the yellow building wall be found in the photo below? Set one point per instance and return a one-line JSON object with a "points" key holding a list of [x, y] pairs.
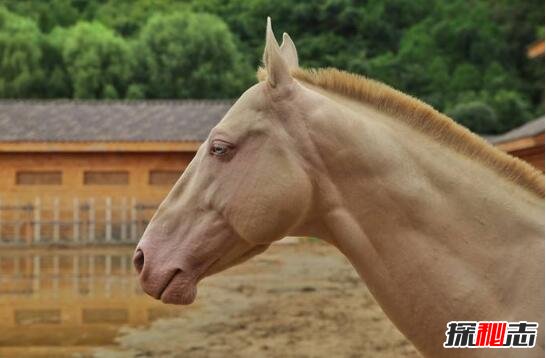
{"points": [[73, 166]]}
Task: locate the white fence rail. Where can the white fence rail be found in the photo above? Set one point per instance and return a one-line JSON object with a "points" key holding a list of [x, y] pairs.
{"points": [[73, 221]]}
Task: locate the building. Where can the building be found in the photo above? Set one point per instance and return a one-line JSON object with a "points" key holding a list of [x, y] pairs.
{"points": [[536, 49], [83, 170], [95, 171], [116, 149], [69, 149]]}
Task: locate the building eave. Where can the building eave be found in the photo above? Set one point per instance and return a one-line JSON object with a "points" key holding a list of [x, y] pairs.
{"points": [[536, 49], [522, 143]]}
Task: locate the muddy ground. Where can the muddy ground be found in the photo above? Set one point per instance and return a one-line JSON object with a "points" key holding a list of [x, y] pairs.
{"points": [[302, 300]]}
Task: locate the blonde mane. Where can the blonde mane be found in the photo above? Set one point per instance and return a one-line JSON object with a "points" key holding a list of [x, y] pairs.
{"points": [[424, 118]]}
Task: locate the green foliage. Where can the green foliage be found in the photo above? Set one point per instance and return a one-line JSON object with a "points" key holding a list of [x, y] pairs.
{"points": [[477, 116], [110, 92], [190, 54], [452, 54], [20, 56], [512, 108], [136, 92], [47, 14], [98, 62], [446, 53], [127, 17], [57, 82]]}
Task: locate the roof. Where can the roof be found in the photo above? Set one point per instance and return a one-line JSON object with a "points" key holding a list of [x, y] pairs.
{"points": [[136, 121], [536, 49], [104, 121], [529, 129]]}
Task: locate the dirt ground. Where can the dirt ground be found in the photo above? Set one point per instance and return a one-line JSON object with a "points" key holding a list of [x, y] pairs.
{"points": [[301, 300]]}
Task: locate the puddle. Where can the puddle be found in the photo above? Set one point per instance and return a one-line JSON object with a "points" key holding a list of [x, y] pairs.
{"points": [[65, 302]]}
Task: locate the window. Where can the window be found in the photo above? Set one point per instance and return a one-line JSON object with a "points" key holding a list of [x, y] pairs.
{"points": [[163, 177], [105, 177], [54, 177]]}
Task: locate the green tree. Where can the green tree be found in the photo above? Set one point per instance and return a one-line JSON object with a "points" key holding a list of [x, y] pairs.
{"points": [[513, 109], [57, 82], [190, 55], [477, 116], [127, 17], [99, 63], [465, 77], [496, 77], [448, 53], [136, 92], [47, 14], [20, 56], [339, 33]]}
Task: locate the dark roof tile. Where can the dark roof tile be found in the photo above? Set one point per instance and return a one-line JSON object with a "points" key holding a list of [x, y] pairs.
{"points": [[68, 120], [528, 129]]}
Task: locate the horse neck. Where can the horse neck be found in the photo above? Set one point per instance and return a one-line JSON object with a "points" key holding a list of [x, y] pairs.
{"points": [[417, 219]]}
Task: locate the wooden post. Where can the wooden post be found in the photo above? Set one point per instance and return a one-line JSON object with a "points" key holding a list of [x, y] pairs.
{"points": [[123, 265], [1, 209], [17, 225], [108, 265], [134, 289], [55, 268], [133, 220], [56, 274], [56, 218], [91, 236], [91, 277], [37, 222], [76, 273], [123, 219], [108, 275], [76, 220], [91, 265], [17, 265], [108, 219], [36, 274]]}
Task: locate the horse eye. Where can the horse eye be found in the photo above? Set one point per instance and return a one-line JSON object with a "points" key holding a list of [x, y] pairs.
{"points": [[219, 148]]}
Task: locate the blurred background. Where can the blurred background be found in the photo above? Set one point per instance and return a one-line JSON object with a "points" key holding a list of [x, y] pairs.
{"points": [[466, 58], [103, 103]]}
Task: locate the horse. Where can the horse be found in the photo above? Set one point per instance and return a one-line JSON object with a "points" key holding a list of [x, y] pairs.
{"points": [[440, 225]]}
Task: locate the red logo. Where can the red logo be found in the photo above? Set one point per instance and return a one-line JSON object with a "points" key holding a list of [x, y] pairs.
{"points": [[490, 334]]}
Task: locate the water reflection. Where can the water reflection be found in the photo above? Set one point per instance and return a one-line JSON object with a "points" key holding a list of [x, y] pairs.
{"points": [[66, 301]]}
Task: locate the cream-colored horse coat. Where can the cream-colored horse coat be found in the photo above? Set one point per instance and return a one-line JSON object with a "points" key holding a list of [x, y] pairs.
{"points": [[440, 225]]}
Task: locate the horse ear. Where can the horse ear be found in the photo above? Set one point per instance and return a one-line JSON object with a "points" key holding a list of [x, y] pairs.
{"points": [[289, 52], [278, 73]]}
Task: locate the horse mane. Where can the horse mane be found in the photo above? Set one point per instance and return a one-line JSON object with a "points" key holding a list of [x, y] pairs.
{"points": [[424, 118]]}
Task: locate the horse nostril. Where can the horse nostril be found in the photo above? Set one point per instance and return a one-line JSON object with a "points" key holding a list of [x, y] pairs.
{"points": [[138, 260]]}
